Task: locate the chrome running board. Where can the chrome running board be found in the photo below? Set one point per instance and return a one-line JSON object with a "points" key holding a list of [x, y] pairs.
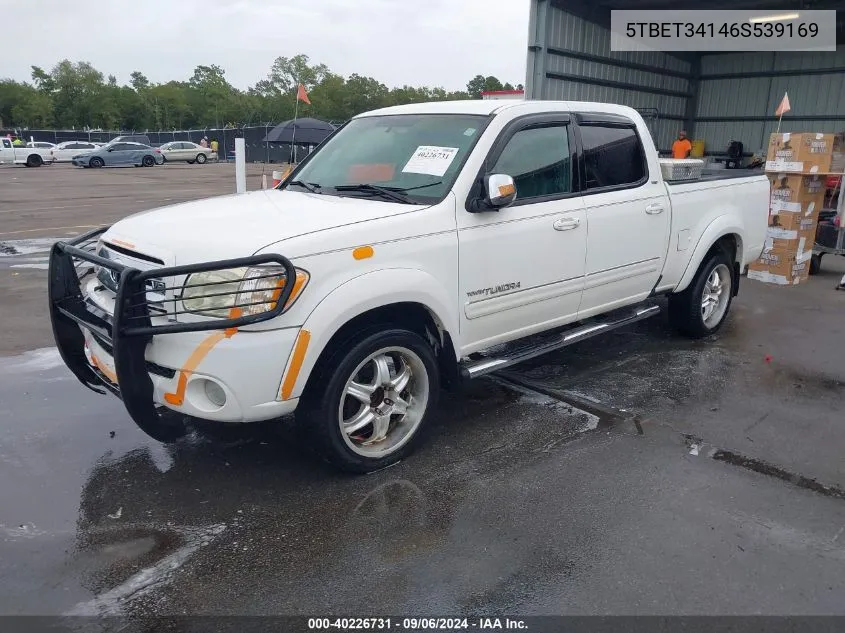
{"points": [[503, 356]]}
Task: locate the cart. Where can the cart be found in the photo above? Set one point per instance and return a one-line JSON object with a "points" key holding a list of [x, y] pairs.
{"points": [[830, 236]]}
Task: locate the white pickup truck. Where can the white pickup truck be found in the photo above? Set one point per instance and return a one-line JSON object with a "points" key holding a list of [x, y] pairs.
{"points": [[21, 155], [419, 246]]}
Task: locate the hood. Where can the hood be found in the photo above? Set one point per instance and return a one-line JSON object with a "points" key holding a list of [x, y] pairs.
{"points": [[238, 225]]}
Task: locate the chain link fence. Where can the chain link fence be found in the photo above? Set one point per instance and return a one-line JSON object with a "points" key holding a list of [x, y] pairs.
{"points": [[257, 151]]}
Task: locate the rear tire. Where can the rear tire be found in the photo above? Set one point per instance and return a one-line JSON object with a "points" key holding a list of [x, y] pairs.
{"points": [[702, 308], [201, 158], [366, 404], [34, 160], [815, 264], [96, 162], [148, 161]]}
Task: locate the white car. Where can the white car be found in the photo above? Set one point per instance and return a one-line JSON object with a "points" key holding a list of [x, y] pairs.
{"points": [[186, 151], [64, 152], [41, 144], [419, 246]]}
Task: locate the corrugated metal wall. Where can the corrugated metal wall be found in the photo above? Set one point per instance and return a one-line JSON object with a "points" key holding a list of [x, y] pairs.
{"points": [[569, 33], [813, 94], [730, 96]]}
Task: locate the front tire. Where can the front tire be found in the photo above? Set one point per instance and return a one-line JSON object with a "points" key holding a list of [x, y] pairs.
{"points": [[96, 162], [366, 404], [701, 309]]}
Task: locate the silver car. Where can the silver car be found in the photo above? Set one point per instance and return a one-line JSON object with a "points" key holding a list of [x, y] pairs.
{"points": [[120, 154], [186, 151]]}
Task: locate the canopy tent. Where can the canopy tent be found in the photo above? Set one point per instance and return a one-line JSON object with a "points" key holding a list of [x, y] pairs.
{"points": [[303, 131]]}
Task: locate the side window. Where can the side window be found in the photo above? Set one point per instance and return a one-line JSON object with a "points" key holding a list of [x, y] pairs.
{"points": [[539, 161], [7, 144], [612, 156]]}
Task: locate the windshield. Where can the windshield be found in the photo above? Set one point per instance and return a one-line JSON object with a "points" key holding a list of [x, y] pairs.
{"points": [[415, 153]]}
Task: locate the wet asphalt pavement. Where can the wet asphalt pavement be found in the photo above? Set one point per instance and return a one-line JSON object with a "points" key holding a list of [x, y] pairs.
{"points": [[635, 474]]}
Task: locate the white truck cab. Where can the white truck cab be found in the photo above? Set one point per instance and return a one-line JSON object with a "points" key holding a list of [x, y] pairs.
{"points": [[418, 246], [12, 154]]}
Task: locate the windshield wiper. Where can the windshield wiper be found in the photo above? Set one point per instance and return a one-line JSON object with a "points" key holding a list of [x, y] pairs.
{"points": [[309, 186], [392, 193]]}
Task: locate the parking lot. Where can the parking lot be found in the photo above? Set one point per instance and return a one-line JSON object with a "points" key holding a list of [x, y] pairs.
{"points": [[639, 473]]}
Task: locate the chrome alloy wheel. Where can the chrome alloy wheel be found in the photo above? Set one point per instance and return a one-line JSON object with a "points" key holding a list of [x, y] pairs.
{"points": [[383, 402], [715, 297]]}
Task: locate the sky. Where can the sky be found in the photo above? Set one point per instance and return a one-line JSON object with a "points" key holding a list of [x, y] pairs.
{"points": [[416, 42]]}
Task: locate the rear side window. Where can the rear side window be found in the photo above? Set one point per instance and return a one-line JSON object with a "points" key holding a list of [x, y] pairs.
{"points": [[538, 159], [613, 156]]}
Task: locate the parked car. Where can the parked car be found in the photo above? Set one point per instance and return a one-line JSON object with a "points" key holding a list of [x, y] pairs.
{"points": [[419, 246], [64, 152], [41, 144], [186, 151], [117, 153], [132, 138], [22, 155]]}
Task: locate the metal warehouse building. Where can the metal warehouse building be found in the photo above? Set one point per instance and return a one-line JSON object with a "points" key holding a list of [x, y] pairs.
{"points": [[716, 97]]}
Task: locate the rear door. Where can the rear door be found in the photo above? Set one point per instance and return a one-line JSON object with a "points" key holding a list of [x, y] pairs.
{"points": [[189, 151], [628, 213]]}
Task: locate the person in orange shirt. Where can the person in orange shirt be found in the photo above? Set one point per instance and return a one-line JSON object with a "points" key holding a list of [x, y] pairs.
{"points": [[682, 147]]}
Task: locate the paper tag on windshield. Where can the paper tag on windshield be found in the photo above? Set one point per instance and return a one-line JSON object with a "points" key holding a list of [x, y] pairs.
{"points": [[431, 160]]}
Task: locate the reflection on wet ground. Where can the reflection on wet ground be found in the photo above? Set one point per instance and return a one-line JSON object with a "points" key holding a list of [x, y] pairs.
{"points": [[581, 482]]}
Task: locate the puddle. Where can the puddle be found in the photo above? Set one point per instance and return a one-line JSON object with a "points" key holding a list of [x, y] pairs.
{"points": [[40, 359], [12, 248]]}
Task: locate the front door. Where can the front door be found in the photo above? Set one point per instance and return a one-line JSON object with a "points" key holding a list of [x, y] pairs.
{"points": [[628, 215], [7, 151], [522, 267]]}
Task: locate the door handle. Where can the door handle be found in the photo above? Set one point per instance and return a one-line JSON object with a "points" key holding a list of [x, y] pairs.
{"points": [[566, 224], [654, 209]]}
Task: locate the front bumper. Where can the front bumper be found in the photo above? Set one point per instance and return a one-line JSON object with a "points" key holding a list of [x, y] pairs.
{"points": [[148, 368]]}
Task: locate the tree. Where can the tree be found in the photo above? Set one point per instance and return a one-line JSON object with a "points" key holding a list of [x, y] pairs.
{"points": [[479, 84], [139, 81], [75, 94]]}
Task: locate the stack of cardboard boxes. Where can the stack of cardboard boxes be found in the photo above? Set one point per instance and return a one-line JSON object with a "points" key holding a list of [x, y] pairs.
{"points": [[796, 165]]}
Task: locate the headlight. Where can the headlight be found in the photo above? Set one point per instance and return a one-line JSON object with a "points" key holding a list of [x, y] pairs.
{"points": [[239, 291]]}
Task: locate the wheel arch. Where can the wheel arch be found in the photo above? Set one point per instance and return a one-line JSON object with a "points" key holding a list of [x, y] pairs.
{"points": [[407, 298], [721, 234]]}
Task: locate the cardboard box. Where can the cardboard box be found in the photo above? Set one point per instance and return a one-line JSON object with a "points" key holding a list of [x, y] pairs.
{"points": [[795, 193], [783, 265], [795, 222], [771, 278], [808, 153]]}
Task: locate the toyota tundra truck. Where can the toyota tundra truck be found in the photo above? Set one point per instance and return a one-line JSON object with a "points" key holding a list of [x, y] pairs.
{"points": [[419, 246]]}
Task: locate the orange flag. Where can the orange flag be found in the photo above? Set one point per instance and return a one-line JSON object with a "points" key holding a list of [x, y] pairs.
{"points": [[784, 105], [302, 95]]}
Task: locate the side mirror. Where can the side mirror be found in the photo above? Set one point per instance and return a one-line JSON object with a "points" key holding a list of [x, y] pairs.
{"points": [[500, 190]]}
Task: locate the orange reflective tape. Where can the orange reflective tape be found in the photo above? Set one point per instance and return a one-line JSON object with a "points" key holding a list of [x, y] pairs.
{"points": [[193, 362], [363, 252], [108, 373], [122, 243], [299, 349]]}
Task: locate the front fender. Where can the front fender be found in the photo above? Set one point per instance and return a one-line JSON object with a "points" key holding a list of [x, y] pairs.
{"points": [[718, 228], [355, 297]]}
